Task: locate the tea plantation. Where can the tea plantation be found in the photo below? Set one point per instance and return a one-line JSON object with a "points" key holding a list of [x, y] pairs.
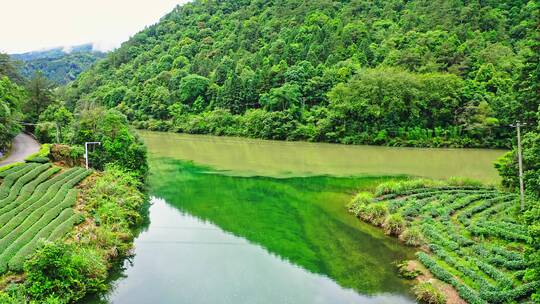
{"points": [[35, 205], [470, 236]]}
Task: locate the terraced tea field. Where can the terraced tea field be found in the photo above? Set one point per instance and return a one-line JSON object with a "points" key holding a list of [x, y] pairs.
{"points": [[35, 205], [470, 236]]}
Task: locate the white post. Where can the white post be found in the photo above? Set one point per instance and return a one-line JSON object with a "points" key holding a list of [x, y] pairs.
{"points": [[86, 149]]}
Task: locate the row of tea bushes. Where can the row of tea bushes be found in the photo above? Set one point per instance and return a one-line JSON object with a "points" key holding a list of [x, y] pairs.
{"points": [[35, 205], [470, 236]]}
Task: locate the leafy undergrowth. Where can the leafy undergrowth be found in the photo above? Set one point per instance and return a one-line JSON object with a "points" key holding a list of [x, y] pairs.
{"points": [[470, 235]]}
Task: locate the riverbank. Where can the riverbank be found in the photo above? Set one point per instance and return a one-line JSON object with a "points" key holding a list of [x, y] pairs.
{"points": [[469, 237]]}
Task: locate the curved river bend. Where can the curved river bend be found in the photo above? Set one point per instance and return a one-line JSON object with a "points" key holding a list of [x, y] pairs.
{"points": [[249, 221]]}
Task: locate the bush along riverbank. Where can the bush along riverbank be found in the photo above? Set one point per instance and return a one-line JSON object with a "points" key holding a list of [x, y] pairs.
{"points": [[72, 258], [469, 236]]}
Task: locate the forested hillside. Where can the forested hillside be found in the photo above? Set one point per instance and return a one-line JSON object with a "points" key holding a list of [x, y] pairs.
{"points": [[414, 73], [57, 65]]}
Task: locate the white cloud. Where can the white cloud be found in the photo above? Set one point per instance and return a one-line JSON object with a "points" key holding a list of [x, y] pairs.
{"points": [[27, 25]]}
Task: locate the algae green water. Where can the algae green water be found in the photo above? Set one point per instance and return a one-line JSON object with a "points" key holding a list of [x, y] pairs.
{"points": [[225, 232], [248, 157]]}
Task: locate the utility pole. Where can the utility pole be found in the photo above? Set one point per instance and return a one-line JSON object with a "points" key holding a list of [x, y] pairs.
{"points": [[86, 149], [518, 126]]}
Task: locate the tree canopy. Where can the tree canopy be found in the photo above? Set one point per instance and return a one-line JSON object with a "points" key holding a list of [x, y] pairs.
{"points": [[420, 73]]}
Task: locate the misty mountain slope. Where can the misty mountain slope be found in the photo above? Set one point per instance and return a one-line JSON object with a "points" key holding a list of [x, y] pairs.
{"points": [[57, 64], [416, 73]]}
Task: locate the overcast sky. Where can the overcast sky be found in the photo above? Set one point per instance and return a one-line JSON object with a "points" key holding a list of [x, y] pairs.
{"points": [[27, 25]]}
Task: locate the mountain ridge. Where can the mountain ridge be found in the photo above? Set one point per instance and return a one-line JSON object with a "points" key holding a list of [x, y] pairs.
{"points": [[59, 64]]}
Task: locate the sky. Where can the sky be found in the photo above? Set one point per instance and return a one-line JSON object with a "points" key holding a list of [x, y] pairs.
{"points": [[28, 25]]}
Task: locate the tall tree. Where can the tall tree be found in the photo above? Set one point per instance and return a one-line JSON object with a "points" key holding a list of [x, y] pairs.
{"points": [[40, 97]]}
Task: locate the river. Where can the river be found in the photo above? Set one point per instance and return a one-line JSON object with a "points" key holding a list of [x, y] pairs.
{"points": [[248, 221]]}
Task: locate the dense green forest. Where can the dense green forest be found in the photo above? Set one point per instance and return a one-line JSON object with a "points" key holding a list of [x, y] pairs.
{"points": [[11, 98], [414, 73], [58, 65]]}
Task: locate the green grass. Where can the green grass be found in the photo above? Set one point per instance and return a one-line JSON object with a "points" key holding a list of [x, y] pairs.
{"points": [[475, 240], [35, 205]]}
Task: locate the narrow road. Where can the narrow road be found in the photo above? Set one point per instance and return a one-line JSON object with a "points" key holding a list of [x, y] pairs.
{"points": [[23, 145]]}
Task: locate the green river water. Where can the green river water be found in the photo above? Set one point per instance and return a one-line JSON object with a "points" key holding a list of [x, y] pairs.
{"points": [[249, 221]]}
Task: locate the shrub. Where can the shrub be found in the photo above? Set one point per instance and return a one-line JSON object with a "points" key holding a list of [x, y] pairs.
{"points": [[359, 201], [63, 269], [438, 271], [374, 213], [412, 236], [13, 294], [362, 198], [387, 188], [463, 181], [394, 224], [70, 155], [413, 206], [427, 293], [397, 187], [29, 223], [499, 277], [405, 271]]}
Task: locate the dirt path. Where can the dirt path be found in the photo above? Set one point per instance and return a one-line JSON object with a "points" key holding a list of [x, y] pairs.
{"points": [[23, 145]]}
